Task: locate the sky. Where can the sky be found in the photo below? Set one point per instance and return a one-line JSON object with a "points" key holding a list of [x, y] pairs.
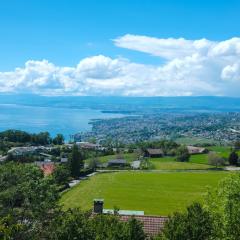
{"points": [[120, 47]]}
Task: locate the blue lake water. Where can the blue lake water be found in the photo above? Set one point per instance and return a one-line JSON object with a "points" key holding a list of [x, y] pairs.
{"points": [[67, 121]]}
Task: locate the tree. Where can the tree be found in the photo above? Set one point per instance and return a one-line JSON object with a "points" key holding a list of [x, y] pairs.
{"points": [[136, 230], [182, 154], [224, 205], [61, 175], [108, 227], [233, 158], [29, 210], [58, 140], [72, 224], [28, 201], [75, 224], [76, 161], [237, 145], [93, 163], [195, 224], [42, 138], [215, 160], [15, 136]]}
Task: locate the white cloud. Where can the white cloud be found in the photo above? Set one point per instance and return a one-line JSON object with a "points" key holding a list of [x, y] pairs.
{"points": [[169, 48], [231, 72], [192, 67]]}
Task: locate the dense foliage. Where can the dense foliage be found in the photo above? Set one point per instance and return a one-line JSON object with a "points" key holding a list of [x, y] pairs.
{"points": [[28, 201], [215, 160], [233, 158], [42, 138], [29, 210], [194, 224], [182, 154]]}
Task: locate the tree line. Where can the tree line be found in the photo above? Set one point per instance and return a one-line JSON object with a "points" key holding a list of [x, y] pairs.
{"points": [[42, 138]]}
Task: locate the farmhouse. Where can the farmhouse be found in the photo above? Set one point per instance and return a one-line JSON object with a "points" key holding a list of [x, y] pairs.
{"points": [[152, 225], [117, 163], [196, 150], [152, 152]]}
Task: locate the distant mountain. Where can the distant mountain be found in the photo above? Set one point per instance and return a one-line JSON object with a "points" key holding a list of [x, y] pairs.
{"points": [[129, 104]]}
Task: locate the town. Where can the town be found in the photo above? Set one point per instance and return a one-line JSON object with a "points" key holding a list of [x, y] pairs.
{"points": [[219, 128]]}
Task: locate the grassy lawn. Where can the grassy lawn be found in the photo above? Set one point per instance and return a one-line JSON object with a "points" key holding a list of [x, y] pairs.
{"points": [[196, 162], [222, 151], [193, 140], [199, 158], [154, 193], [129, 157]]}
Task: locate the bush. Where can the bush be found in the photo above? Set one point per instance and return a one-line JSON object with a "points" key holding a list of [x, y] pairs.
{"points": [[195, 224], [215, 160], [182, 154]]}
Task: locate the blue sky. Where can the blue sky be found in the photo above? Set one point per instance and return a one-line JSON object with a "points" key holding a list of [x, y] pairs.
{"points": [[65, 32]]}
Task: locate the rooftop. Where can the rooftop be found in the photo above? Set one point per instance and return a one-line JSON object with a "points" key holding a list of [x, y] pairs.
{"points": [[154, 151], [152, 225], [124, 212], [117, 161]]}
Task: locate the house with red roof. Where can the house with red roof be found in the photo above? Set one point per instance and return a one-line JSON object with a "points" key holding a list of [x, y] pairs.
{"points": [[152, 225]]}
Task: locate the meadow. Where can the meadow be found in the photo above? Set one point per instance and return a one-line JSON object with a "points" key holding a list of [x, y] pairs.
{"points": [[194, 140], [196, 162], [154, 193]]}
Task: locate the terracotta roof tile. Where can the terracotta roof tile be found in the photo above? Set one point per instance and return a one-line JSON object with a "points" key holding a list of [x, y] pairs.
{"points": [[152, 225]]}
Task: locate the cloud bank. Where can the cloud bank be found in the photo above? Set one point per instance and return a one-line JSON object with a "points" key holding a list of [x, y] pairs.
{"points": [[190, 68]]}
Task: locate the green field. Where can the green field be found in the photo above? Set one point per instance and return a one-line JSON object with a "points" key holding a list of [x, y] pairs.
{"points": [[129, 157], [194, 140], [154, 193], [196, 162]]}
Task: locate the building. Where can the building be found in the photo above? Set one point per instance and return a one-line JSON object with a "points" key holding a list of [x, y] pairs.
{"points": [[64, 160], [196, 150], [22, 151], [153, 153], [88, 145], [46, 166], [117, 163], [152, 225]]}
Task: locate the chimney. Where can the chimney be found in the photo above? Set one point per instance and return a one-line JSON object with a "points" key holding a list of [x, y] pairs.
{"points": [[98, 206]]}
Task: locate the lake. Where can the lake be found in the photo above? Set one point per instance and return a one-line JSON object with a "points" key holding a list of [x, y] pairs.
{"points": [[55, 120]]}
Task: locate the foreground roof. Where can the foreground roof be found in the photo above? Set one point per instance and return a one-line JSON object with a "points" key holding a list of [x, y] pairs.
{"points": [[124, 212], [152, 225]]}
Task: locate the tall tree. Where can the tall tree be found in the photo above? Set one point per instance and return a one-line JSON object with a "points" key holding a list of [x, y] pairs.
{"points": [[215, 160], [59, 139], [182, 154], [224, 205], [76, 161], [233, 158]]}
